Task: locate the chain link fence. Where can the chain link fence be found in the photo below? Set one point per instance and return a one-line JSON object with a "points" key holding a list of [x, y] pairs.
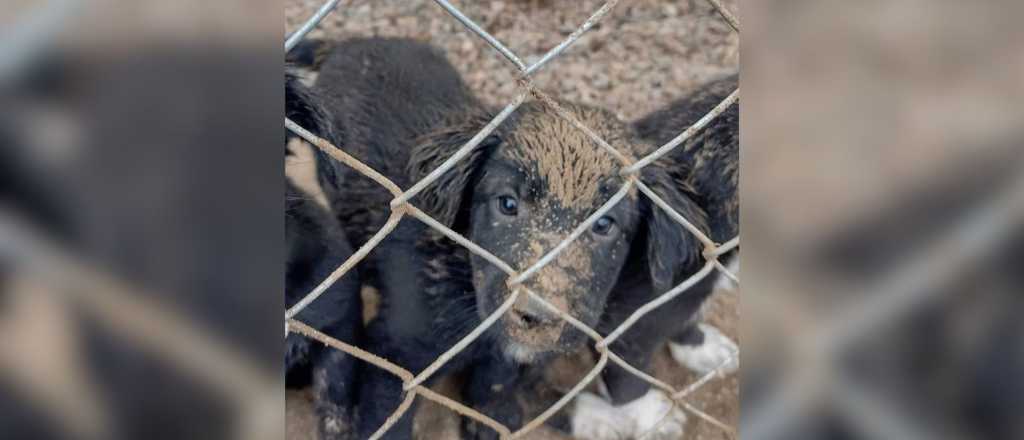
{"points": [[183, 342], [413, 382]]}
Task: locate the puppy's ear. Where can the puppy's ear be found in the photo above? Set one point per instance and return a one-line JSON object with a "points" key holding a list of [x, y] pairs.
{"points": [[671, 248], [450, 193], [709, 160]]}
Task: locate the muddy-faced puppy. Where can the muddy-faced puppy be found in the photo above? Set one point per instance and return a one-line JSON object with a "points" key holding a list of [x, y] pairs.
{"points": [[706, 169], [316, 246], [517, 195]]}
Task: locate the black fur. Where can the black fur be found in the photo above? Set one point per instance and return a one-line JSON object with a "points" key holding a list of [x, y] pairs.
{"points": [[387, 93], [316, 246], [304, 108], [377, 89], [707, 164], [705, 168], [406, 110]]}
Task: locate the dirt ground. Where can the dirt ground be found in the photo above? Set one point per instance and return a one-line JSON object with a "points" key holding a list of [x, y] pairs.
{"points": [[640, 57]]}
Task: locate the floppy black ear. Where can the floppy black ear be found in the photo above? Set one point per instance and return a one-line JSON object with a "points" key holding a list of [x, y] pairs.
{"points": [[671, 248], [709, 160], [447, 196]]}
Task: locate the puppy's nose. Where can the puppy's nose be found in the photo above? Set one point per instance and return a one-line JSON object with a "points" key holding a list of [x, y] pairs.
{"points": [[529, 313]]}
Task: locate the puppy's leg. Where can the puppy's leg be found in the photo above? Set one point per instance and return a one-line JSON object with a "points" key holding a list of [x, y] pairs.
{"points": [[380, 392], [491, 390], [297, 354], [623, 386], [333, 388], [702, 348], [636, 410]]}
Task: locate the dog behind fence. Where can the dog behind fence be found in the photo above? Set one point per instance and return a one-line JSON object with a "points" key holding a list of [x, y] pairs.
{"points": [[401, 206]]}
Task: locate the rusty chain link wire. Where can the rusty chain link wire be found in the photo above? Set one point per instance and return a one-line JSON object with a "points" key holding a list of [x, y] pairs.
{"points": [[401, 206]]}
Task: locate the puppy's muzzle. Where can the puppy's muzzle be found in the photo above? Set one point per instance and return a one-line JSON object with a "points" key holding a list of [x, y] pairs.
{"points": [[530, 314]]}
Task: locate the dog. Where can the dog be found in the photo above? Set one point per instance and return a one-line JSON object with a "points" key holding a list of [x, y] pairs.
{"points": [[519, 193], [316, 245], [706, 169]]}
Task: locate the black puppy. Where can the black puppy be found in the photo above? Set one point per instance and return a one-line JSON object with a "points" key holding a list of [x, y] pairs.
{"points": [[706, 169], [518, 194], [316, 246]]}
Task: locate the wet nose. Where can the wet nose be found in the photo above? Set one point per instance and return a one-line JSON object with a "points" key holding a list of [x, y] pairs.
{"points": [[530, 313]]}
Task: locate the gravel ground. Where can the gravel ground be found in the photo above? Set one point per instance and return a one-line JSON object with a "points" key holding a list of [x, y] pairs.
{"points": [[640, 57]]}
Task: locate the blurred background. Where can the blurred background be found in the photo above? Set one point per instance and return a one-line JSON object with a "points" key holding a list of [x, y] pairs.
{"points": [[140, 200], [883, 199], [140, 219]]}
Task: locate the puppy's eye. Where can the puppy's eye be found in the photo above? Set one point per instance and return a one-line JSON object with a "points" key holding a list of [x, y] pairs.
{"points": [[508, 205], [603, 225]]}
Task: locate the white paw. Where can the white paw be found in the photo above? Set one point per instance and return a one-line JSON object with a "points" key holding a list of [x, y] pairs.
{"points": [[716, 350], [651, 417], [655, 417], [596, 419]]}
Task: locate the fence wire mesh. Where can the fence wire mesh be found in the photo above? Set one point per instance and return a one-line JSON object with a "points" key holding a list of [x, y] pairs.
{"points": [[413, 383], [978, 234]]}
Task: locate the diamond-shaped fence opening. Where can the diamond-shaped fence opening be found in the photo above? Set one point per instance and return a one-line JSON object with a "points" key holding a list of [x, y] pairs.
{"points": [[401, 206]]}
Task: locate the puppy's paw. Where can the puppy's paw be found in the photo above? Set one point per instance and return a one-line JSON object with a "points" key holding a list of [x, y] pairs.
{"points": [[596, 419], [335, 423], [471, 429], [297, 349], [651, 417], [654, 417], [716, 350]]}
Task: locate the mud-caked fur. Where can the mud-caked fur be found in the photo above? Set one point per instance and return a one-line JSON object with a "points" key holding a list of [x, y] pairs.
{"points": [[517, 195], [706, 169], [316, 245]]}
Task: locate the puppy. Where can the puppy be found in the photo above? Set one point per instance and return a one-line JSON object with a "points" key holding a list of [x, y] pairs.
{"points": [[706, 169], [316, 245], [517, 195]]}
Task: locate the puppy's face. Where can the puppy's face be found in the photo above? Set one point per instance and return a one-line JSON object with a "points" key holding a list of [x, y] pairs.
{"points": [[543, 179], [525, 189]]}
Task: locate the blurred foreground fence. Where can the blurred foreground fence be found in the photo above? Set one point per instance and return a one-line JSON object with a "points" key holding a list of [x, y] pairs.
{"points": [[400, 207]]}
